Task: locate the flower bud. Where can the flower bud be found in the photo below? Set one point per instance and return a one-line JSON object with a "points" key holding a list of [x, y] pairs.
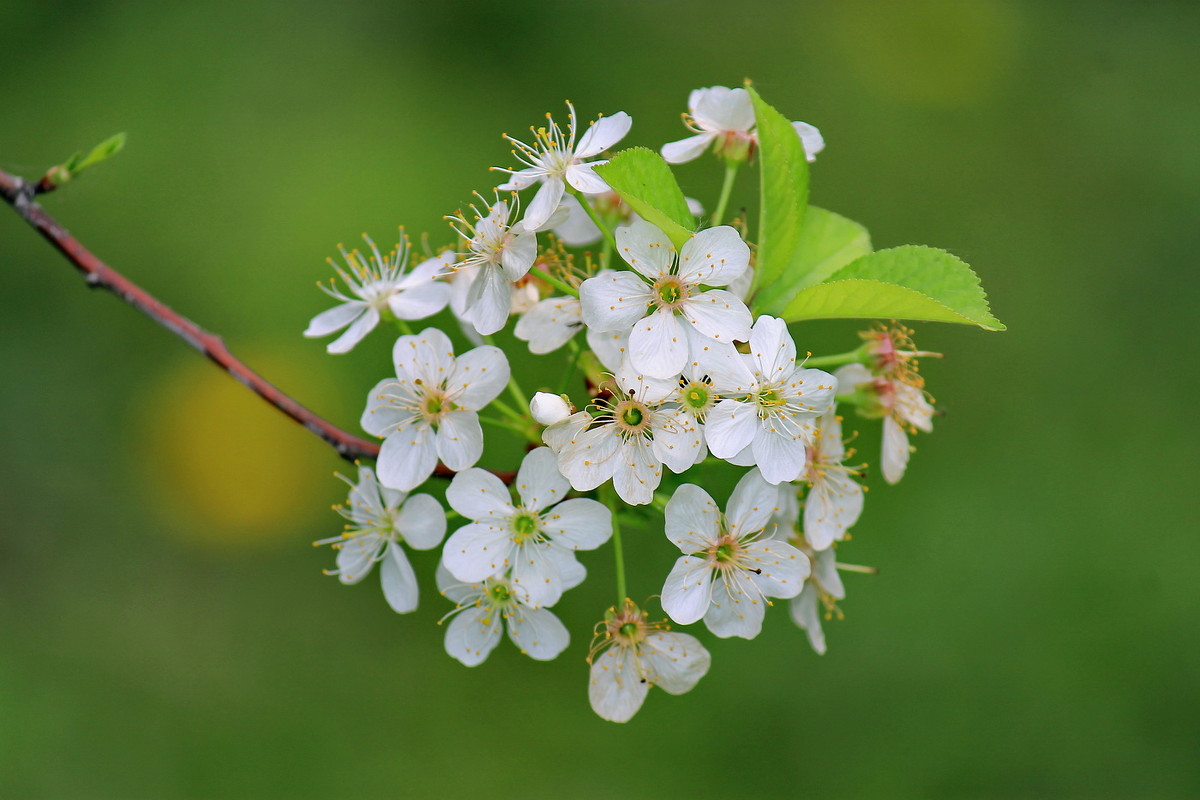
{"points": [[549, 408]]}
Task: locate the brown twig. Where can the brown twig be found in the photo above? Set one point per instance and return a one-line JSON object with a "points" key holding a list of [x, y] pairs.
{"points": [[98, 275]]}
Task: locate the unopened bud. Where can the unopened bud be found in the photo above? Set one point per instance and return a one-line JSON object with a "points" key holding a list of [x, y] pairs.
{"points": [[549, 408]]}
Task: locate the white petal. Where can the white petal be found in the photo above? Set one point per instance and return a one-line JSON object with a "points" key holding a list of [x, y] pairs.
{"points": [[714, 256], [550, 324], [398, 579], [407, 458], [428, 355], [590, 458], [772, 348], [824, 570], [722, 108], [603, 134], [638, 472], [454, 589], [480, 375], [613, 301], [583, 177], [564, 433], [545, 203], [579, 524], [478, 551], [479, 495], [537, 632], [472, 635], [422, 522], [677, 440], [852, 376], [806, 613], [729, 427], [645, 388], [674, 662], [737, 608], [658, 346], [420, 302], [356, 556], [752, 504], [459, 439], [488, 299], [518, 256], [610, 346], [894, 460], [645, 248], [718, 314], [616, 689], [521, 179], [539, 483], [687, 592], [692, 519], [781, 456], [578, 229], [537, 573], [782, 568], [334, 319], [355, 333], [811, 138], [688, 149], [726, 368], [833, 504]]}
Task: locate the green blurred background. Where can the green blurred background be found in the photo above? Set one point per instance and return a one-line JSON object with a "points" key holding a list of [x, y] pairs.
{"points": [[166, 629]]}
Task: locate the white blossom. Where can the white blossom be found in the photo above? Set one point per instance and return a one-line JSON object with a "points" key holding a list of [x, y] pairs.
{"points": [[724, 118], [819, 597], [533, 540], [904, 410], [730, 563], [428, 411], [548, 409], [662, 304], [628, 442], [772, 424], [555, 160], [483, 608], [499, 252], [632, 655], [377, 286], [550, 323], [835, 500], [378, 519]]}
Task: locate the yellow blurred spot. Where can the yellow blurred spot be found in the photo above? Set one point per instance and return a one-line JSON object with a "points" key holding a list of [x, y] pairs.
{"points": [[936, 52], [223, 467]]}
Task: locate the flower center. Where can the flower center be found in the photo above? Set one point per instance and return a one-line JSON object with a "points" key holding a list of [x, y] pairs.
{"points": [[696, 396], [632, 418], [627, 629], [499, 594], [525, 526], [670, 292], [770, 400], [726, 554]]}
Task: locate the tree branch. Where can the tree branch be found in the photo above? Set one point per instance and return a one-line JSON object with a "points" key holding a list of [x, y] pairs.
{"points": [[98, 275]]}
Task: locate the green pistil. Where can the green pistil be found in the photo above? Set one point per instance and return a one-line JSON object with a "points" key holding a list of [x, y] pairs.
{"points": [[524, 526], [629, 630], [632, 417], [771, 399], [669, 294], [433, 406], [500, 594], [695, 396], [724, 553]]}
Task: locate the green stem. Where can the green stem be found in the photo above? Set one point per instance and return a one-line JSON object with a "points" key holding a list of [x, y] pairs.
{"points": [[835, 361], [731, 171], [562, 286], [596, 218], [618, 553], [572, 365], [504, 409], [521, 430], [402, 326], [514, 388]]}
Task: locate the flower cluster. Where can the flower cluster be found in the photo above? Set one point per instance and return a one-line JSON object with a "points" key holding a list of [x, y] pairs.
{"points": [[683, 381]]}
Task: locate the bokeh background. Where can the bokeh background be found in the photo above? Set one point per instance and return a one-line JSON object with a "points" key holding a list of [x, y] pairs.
{"points": [[166, 629]]}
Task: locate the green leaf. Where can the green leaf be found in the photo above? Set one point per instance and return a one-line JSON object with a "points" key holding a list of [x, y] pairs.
{"points": [[78, 162], [784, 186], [828, 242], [647, 184], [910, 282]]}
